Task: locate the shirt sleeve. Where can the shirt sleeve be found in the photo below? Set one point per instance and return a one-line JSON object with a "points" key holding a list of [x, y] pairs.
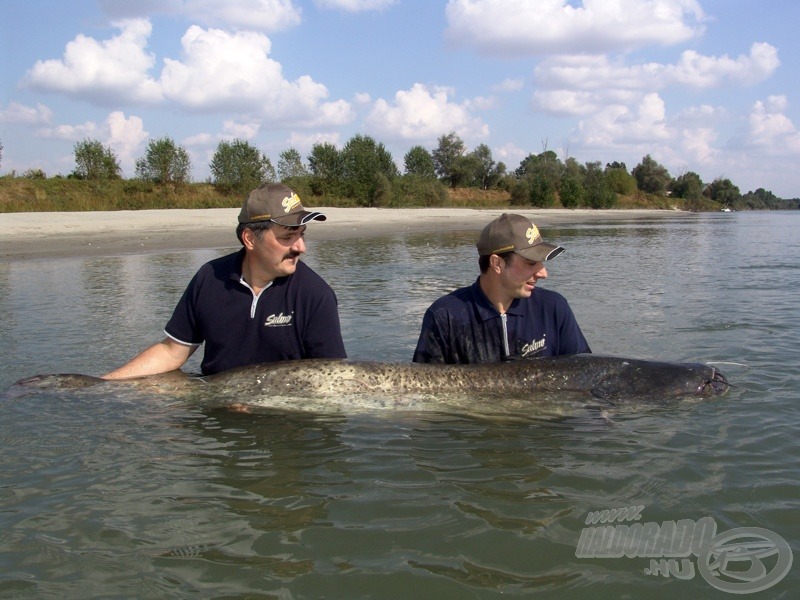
{"points": [[431, 346], [182, 326], [322, 337], [570, 336]]}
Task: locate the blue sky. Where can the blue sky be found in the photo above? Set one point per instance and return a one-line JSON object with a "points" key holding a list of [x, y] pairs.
{"points": [[703, 86]]}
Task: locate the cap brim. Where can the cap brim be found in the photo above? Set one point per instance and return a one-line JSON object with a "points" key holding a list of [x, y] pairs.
{"points": [[299, 218], [540, 252]]}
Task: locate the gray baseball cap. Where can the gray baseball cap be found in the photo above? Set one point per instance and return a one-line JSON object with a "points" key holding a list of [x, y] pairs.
{"points": [[515, 233], [278, 203]]}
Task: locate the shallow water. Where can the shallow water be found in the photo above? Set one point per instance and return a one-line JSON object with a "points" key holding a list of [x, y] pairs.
{"points": [[122, 497]]}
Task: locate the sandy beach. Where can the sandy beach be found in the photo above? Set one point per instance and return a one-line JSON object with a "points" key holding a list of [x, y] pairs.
{"points": [[67, 234]]}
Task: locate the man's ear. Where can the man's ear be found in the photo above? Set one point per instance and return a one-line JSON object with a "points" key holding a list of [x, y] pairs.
{"points": [[496, 262], [248, 238]]}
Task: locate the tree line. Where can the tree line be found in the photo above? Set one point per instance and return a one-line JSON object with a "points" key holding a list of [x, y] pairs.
{"points": [[365, 173]]}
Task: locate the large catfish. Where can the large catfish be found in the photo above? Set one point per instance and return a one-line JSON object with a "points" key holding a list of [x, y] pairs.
{"points": [[524, 386]]}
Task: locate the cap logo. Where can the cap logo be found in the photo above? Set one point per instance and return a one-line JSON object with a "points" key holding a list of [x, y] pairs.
{"points": [[532, 234], [290, 202]]}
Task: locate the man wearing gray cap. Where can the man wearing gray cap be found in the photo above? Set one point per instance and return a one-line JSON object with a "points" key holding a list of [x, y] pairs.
{"points": [[260, 304], [503, 315]]}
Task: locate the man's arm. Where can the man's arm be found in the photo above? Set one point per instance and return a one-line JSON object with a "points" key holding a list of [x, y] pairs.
{"points": [[431, 345], [161, 357]]}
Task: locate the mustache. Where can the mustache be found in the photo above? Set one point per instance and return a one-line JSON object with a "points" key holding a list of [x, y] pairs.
{"points": [[291, 255]]}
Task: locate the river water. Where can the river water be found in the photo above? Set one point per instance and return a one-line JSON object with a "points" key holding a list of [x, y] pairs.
{"points": [[116, 498]]}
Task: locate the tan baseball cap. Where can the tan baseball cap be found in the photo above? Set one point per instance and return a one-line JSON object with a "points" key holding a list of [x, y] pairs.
{"points": [[278, 203], [515, 233]]}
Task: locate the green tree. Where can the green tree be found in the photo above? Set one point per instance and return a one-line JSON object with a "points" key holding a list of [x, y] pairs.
{"points": [[535, 162], [688, 186], [36, 173], [486, 172], [543, 172], [290, 164], [759, 200], [447, 159], [521, 193], [325, 166], [573, 193], [598, 193], [574, 168], [416, 190], [239, 167], [94, 161], [651, 177], [164, 162], [418, 161], [543, 190], [619, 180], [362, 158], [723, 191]]}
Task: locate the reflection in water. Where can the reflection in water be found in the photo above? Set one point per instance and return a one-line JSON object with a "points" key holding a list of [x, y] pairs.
{"points": [[384, 285]]}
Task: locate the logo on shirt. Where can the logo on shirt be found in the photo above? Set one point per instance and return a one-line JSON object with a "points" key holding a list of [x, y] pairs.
{"points": [[535, 347], [279, 320]]}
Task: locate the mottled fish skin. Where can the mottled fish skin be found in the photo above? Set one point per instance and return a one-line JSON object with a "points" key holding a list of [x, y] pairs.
{"points": [[322, 385]]}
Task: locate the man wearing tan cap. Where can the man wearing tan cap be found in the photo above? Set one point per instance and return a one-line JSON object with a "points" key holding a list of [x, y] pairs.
{"points": [[503, 315], [260, 304]]}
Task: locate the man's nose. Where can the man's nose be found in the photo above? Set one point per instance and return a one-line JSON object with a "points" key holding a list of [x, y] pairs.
{"points": [[299, 245]]}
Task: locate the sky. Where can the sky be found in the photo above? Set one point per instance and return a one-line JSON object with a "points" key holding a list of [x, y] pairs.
{"points": [[710, 86]]}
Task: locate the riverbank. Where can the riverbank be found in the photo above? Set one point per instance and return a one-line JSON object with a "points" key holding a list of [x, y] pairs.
{"points": [[32, 235]]}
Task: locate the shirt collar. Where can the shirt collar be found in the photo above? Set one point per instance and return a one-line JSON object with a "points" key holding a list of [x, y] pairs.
{"points": [[486, 309]]}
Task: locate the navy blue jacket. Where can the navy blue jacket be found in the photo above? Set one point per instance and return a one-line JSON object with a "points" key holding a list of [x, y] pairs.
{"points": [[464, 327], [295, 317]]}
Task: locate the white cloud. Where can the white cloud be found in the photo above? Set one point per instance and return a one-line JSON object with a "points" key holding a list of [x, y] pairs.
{"points": [[111, 71], [509, 85], [261, 15], [219, 71], [303, 142], [200, 139], [771, 129], [619, 126], [125, 136], [524, 28], [510, 154], [241, 130], [255, 15], [70, 133], [697, 147], [26, 115], [700, 71], [355, 5], [223, 71], [422, 114], [564, 103], [600, 73]]}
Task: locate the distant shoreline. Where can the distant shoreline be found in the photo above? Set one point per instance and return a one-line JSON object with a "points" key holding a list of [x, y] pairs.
{"points": [[73, 234]]}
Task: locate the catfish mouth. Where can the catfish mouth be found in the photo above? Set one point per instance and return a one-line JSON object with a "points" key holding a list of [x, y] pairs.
{"points": [[716, 386]]}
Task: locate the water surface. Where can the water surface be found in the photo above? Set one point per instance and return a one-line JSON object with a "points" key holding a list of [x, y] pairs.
{"points": [[154, 498]]}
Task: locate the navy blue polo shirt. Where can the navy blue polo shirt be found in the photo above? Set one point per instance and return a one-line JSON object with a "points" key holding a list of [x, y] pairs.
{"points": [[295, 317], [464, 327]]}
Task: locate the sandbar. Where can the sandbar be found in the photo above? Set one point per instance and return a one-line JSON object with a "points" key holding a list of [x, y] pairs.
{"points": [[39, 235]]}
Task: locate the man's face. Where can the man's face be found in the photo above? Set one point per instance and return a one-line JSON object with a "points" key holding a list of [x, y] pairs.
{"points": [[520, 275], [278, 250]]}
